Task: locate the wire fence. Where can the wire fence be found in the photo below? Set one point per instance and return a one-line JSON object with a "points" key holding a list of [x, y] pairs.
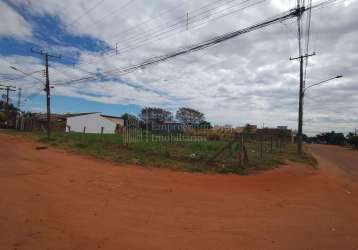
{"points": [[133, 132], [212, 145]]}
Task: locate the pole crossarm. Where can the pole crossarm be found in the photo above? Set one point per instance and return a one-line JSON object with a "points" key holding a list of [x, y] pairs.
{"points": [[7, 86], [8, 89], [303, 56], [42, 52]]}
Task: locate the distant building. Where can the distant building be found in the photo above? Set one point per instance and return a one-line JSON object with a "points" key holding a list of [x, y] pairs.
{"points": [[93, 123]]}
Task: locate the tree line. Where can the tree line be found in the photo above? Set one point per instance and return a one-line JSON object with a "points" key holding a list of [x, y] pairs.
{"points": [[335, 138], [155, 115], [7, 113]]}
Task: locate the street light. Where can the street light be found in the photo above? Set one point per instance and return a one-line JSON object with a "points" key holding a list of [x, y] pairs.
{"points": [[312, 85], [315, 84], [28, 74]]}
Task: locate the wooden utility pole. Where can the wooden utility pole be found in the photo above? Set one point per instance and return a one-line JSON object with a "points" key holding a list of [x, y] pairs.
{"points": [[19, 99], [47, 89], [48, 98]]}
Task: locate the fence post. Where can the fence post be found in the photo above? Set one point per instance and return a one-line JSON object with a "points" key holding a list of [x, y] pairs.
{"points": [[261, 151], [102, 130], [84, 129], [241, 149], [124, 134]]}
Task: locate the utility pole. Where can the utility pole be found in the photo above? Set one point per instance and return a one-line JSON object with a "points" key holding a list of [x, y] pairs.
{"points": [[48, 98], [47, 89], [19, 99], [300, 11], [300, 102]]}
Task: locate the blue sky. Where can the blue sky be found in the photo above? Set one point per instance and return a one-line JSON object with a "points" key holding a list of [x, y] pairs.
{"points": [[245, 80], [49, 29], [63, 104]]}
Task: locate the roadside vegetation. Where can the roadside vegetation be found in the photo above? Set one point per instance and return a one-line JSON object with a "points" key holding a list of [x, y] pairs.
{"points": [[334, 138], [187, 156]]}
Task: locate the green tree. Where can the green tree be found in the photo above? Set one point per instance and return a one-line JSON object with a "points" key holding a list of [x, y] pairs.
{"points": [[127, 117], [189, 116], [332, 138], [155, 115], [352, 139], [7, 113]]}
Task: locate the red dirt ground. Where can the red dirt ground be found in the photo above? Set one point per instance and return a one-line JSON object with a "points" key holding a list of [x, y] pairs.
{"points": [[51, 199]]}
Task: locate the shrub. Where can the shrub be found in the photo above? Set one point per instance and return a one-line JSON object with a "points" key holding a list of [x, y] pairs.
{"points": [[353, 141]]}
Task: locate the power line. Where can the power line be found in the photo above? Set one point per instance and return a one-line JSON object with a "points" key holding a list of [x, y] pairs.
{"points": [[86, 12], [111, 13], [20, 77], [156, 36], [148, 20], [180, 25], [203, 10], [307, 38], [26, 74], [195, 47], [193, 24], [150, 31]]}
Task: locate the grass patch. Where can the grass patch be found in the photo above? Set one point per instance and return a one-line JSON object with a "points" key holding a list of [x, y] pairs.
{"points": [[187, 156]]}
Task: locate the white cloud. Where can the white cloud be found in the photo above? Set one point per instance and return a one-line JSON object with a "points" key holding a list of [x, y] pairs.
{"points": [[247, 79], [12, 24]]}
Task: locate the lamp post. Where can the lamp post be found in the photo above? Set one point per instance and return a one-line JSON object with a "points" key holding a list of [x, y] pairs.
{"points": [[28, 74], [312, 85], [299, 140]]}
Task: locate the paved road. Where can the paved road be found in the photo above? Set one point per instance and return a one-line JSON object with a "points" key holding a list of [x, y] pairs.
{"points": [[51, 199], [344, 158]]}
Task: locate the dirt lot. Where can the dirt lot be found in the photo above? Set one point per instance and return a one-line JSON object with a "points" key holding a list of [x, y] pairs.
{"points": [[51, 199]]}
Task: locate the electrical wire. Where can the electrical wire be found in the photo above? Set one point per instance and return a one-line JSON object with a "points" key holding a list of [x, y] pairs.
{"points": [[193, 48], [307, 39], [181, 21], [86, 12], [159, 29], [112, 12], [192, 25], [158, 36], [196, 47]]}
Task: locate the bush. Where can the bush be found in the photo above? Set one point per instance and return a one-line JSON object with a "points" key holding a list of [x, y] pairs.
{"points": [[353, 141]]}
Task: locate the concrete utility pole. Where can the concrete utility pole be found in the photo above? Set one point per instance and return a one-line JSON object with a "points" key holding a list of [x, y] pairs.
{"points": [[47, 89], [300, 11], [300, 102]]}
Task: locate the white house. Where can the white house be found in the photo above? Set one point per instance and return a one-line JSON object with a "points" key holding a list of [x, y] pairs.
{"points": [[93, 123]]}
